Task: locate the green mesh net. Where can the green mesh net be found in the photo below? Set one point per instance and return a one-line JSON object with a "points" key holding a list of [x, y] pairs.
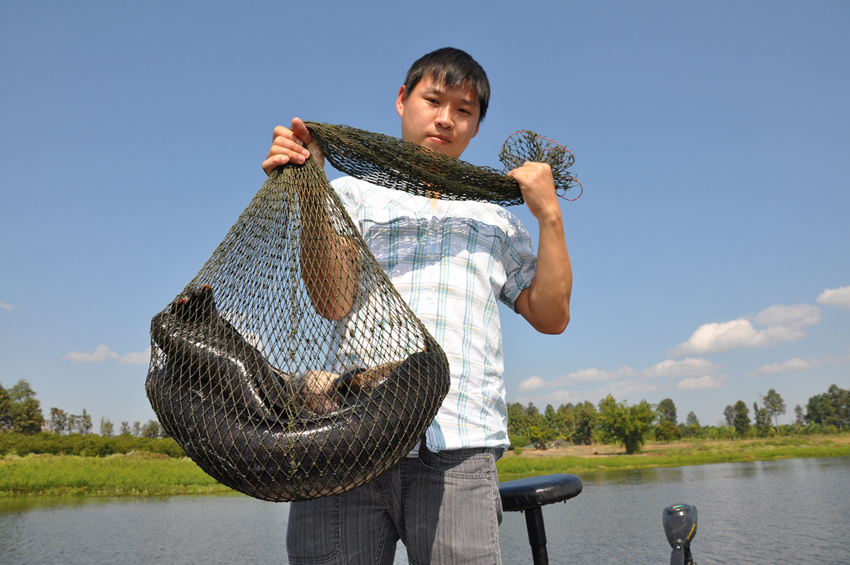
{"points": [[395, 163], [289, 368]]}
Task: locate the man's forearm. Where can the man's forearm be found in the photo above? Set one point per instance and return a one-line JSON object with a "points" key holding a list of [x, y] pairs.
{"points": [[546, 303], [330, 266]]}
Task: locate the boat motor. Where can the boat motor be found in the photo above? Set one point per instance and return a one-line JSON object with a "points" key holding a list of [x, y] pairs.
{"points": [[680, 525]]}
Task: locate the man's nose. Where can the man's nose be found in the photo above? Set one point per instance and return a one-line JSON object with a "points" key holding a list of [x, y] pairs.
{"points": [[444, 117]]}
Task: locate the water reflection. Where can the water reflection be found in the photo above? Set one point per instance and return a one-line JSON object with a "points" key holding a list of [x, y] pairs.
{"points": [[771, 511], [790, 511], [210, 529]]}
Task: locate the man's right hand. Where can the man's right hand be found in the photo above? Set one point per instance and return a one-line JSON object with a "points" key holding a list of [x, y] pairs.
{"points": [[292, 146]]}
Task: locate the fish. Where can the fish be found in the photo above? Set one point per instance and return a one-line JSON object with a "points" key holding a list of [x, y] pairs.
{"points": [[205, 352], [277, 436]]}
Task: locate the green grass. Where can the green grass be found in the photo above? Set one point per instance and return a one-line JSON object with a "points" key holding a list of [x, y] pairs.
{"points": [[132, 474], [152, 474], [700, 453]]}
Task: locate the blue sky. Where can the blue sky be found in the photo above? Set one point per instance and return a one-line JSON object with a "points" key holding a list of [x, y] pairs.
{"points": [[710, 247]]}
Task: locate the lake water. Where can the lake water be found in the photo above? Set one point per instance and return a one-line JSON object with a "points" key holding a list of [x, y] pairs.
{"points": [[790, 511]]}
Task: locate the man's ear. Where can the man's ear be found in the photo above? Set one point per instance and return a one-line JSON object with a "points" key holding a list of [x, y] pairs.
{"points": [[400, 100]]}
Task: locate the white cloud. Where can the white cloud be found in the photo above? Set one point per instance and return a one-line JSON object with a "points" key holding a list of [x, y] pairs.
{"points": [[532, 383], [690, 367], [618, 389], [557, 397], [99, 355], [697, 383], [687, 374], [622, 389], [4, 306], [835, 297], [102, 353], [719, 336], [592, 376], [580, 376], [794, 318], [797, 364], [781, 324], [140, 358]]}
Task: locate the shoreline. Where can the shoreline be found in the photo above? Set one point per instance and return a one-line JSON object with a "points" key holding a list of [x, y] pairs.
{"points": [[665, 448], [579, 459], [143, 474]]}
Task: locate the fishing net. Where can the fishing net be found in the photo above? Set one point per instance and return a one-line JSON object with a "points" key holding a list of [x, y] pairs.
{"points": [[395, 163], [289, 368]]}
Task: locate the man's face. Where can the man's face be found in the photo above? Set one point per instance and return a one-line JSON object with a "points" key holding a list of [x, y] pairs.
{"points": [[440, 118]]}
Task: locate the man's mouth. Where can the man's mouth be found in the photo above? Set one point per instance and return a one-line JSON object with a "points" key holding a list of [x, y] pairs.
{"points": [[439, 138]]}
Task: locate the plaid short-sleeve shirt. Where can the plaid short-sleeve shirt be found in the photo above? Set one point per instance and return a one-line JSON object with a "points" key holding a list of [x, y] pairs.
{"points": [[451, 264]]}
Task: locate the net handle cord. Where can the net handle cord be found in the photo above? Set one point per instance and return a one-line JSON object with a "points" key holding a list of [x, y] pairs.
{"points": [[526, 145], [402, 165]]}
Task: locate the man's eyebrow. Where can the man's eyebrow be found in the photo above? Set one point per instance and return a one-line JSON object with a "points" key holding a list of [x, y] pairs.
{"points": [[471, 101], [435, 89]]}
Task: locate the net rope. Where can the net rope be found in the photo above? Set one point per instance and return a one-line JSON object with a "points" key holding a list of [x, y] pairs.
{"points": [[290, 368], [402, 165]]}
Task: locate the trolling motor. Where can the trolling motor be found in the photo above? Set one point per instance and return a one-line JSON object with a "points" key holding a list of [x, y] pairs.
{"points": [[680, 525]]}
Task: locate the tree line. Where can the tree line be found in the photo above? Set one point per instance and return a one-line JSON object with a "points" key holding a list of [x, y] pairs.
{"points": [[609, 422], [619, 423], [20, 411]]}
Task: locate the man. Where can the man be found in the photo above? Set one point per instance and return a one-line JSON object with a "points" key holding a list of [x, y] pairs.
{"points": [[451, 261]]}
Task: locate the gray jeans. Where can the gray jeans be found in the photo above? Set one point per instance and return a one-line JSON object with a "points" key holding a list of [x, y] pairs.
{"points": [[445, 508]]}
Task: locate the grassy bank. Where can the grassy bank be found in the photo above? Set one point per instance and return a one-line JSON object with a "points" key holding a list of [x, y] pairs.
{"points": [[578, 460], [132, 474], [151, 474]]}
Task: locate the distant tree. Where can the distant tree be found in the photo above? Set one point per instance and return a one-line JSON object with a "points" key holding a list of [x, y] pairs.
{"points": [[83, 423], [516, 420], [667, 431], [625, 424], [532, 415], [137, 429], [71, 423], [666, 410], [831, 408], [151, 429], [58, 420], [106, 427], [27, 416], [762, 417], [566, 419], [125, 429], [551, 417], [820, 410], [528, 422], [540, 436], [840, 399], [774, 405], [7, 411], [586, 421], [691, 421], [798, 413], [729, 415], [741, 420]]}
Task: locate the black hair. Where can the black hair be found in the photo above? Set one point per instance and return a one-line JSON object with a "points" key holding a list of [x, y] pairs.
{"points": [[453, 68]]}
